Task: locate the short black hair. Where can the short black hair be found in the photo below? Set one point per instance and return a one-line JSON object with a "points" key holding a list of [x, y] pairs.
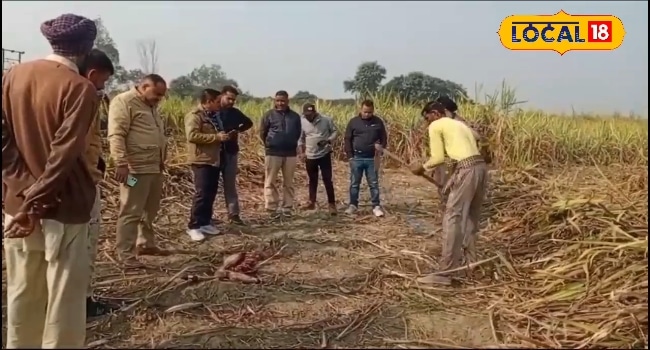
{"points": [[229, 88], [282, 93], [154, 78], [98, 60], [209, 95], [449, 104], [433, 106], [368, 103]]}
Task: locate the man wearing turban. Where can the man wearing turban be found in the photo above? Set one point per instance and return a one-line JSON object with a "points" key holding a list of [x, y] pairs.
{"points": [[48, 109]]}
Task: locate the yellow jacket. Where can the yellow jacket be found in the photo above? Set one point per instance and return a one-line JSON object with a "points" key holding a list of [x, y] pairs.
{"points": [[94, 151]]}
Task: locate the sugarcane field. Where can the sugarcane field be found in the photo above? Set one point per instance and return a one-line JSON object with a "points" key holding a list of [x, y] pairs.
{"points": [[562, 257], [212, 218]]}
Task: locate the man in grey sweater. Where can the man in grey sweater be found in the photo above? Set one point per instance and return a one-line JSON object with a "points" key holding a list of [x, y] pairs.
{"points": [[318, 133]]}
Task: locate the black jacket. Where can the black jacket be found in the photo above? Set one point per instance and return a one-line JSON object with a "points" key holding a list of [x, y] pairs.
{"points": [[233, 119], [280, 132], [362, 135]]}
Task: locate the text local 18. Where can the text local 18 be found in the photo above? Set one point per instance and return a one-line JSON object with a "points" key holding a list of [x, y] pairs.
{"points": [[568, 31]]}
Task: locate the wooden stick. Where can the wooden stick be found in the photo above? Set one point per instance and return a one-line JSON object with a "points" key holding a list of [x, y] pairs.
{"points": [[399, 160]]}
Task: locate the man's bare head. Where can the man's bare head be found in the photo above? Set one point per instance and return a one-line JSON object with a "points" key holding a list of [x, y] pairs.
{"points": [[433, 111], [367, 109], [97, 67], [281, 100], [153, 88], [229, 96]]}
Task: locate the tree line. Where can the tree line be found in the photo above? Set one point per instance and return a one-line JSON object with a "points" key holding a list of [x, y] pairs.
{"points": [[368, 81]]}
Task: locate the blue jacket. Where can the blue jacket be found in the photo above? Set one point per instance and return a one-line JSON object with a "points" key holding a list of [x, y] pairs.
{"points": [[280, 132]]}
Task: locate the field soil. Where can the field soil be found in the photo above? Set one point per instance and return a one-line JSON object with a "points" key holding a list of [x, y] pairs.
{"points": [[331, 282]]}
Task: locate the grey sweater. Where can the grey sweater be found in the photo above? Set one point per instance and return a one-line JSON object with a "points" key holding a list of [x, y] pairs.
{"points": [[320, 130]]}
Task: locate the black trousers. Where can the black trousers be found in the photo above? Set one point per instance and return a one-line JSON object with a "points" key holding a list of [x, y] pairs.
{"points": [[206, 183], [325, 165]]}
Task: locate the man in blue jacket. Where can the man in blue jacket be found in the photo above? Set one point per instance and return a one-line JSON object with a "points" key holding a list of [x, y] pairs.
{"points": [[365, 137], [280, 132]]}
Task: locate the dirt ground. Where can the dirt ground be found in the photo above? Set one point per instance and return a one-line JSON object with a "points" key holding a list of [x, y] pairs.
{"points": [[332, 283]]}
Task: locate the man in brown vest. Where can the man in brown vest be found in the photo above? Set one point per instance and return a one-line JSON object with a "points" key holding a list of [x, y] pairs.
{"points": [[48, 109]]}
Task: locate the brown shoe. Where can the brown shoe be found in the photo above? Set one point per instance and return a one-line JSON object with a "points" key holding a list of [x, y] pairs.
{"points": [[144, 250], [309, 206], [332, 209]]}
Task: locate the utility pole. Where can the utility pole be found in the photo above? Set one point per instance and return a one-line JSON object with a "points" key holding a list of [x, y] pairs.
{"points": [[10, 58]]}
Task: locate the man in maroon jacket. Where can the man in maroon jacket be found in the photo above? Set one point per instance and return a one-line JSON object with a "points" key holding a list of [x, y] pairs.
{"points": [[47, 110]]}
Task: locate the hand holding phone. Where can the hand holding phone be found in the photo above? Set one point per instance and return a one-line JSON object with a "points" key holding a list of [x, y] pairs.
{"points": [[131, 181]]}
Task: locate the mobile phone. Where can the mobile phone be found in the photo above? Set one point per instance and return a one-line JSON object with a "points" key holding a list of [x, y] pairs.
{"points": [[131, 181]]}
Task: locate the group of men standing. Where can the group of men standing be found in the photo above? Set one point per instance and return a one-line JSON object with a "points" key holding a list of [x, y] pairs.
{"points": [[52, 165], [212, 130], [456, 163]]}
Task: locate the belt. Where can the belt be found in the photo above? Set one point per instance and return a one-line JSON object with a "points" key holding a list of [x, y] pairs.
{"points": [[470, 162], [460, 164]]}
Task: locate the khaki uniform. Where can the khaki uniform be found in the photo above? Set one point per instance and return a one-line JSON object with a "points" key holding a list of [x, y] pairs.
{"points": [[203, 146], [47, 309], [137, 139], [93, 154]]}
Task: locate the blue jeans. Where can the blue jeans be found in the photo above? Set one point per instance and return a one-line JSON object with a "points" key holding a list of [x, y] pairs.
{"points": [[360, 167]]}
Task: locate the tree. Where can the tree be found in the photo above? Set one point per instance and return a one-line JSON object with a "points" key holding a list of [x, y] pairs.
{"points": [[367, 79], [304, 97], [148, 53], [123, 78], [200, 78], [105, 42], [183, 87], [417, 87], [210, 77]]}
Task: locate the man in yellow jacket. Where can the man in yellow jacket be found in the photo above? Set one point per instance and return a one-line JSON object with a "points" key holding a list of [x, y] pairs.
{"points": [[466, 187], [138, 145], [204, 150]]}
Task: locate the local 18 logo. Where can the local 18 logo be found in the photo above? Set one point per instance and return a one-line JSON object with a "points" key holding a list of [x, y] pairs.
{"points": [[561, 32]]}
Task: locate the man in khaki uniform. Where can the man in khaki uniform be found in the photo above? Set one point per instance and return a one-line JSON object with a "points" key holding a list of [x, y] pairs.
{"points": [[137, 143], [47, 110], [97, 68]]}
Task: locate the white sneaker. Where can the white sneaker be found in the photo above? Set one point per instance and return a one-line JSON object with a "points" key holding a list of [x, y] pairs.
{"points": [[378, 211], [351, 210], [196, 235], [209, 230]]}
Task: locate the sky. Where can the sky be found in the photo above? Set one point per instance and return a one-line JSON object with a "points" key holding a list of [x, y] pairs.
{"points": [[314, 46]]}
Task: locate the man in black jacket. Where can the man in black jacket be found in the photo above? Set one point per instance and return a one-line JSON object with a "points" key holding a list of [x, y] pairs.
{"points": [[365, 137], [232, 121], [280, 131]]}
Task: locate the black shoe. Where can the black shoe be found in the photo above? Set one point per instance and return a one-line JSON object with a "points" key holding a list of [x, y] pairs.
{"points": [[95, 308], [235, 219]]}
